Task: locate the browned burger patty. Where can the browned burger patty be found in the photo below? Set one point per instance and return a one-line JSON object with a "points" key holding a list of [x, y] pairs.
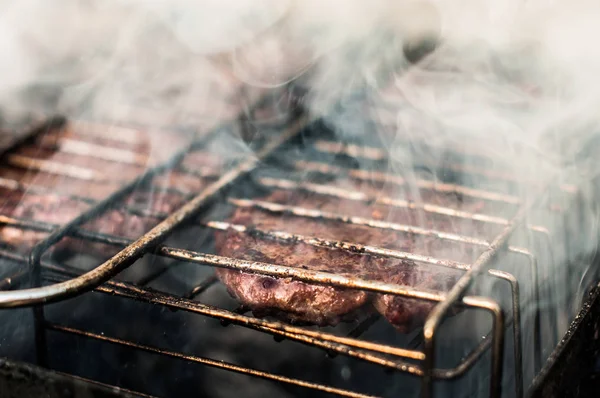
{"points": [[318, 304]]}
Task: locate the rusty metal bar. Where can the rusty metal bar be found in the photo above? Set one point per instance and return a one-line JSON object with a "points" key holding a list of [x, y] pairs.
{"points": [[297, 273], [326, 341], [354, 248], [368, 175], [381, 155], [333, 244], [102, 152], [114, 133], [300, 334], [58, 168], [516, 323], [435, 317], [387, 201], [14, 185], [367, 222], [202, 286], [209, 362]]}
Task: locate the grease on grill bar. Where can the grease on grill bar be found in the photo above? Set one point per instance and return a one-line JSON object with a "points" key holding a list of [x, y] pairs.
{"points": [[412, 361]]}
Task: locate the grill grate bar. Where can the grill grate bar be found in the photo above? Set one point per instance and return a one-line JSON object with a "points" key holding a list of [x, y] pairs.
{"points": [[352, 247], [102, 152], [326, 341], [435, 317], [209, 362], [212, 279], [131, 253], [333, 244], [14, 185], [367, 222], [114, 133], [368, 175], [58, 168], [201, 287], [209, 281], [364, 326], [305, 275], [385, 200], [381, 155]]}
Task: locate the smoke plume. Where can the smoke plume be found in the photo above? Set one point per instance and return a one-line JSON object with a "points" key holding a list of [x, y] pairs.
{"points": [[516, 81]]}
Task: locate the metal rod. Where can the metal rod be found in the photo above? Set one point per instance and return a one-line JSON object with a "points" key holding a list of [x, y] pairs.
{"points": [[517, 339], [326, 341], [299, 273], [380, 154], [334, 244], [14, 185], [435, 317], [537, 333], [367, 175], [114, 133], [202, 286], [496, 341], [352, 247], [210, 362], [102, 152], [364, 326], [367, 222], [52, 167], [288, 332], [387, 201]]}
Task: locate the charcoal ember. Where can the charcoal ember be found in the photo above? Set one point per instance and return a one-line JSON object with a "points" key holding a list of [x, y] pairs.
{"points": [[318, 304]]}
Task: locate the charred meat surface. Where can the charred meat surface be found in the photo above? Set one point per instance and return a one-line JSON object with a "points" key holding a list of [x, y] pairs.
{"points": [[316, 304]]}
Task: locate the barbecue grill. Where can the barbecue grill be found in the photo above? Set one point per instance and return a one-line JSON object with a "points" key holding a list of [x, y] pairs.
{"points": [[75, 325]]}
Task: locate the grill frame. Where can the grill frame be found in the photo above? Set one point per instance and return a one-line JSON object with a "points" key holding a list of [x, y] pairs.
{"points": [[153, 238]]}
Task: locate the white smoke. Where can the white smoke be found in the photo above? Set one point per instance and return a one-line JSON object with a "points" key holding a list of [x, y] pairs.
{"points": [[514, 79]]}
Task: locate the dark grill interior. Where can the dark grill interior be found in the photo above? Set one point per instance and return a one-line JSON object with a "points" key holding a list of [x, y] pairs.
{"points": [[158, 313]]}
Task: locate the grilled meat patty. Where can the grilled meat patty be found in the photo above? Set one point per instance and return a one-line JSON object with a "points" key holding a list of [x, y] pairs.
{"points": [[59, 209], [325, 305]]}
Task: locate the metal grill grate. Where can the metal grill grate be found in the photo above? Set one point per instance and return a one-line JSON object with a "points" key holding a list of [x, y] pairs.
{"points": [[69, 281]]}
